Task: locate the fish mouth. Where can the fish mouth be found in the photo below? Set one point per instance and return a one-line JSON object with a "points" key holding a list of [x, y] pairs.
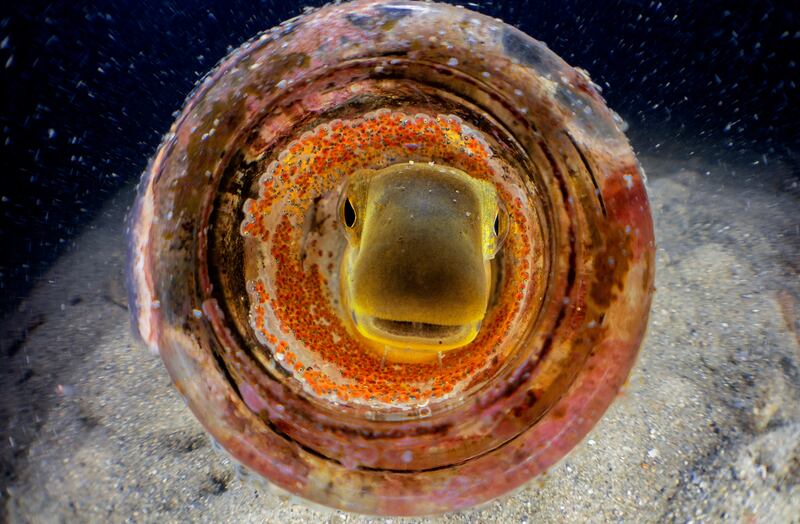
{"points": [[416, 335]]}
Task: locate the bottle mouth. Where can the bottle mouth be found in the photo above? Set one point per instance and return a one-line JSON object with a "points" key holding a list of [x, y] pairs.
{"points": [[236, 249]]}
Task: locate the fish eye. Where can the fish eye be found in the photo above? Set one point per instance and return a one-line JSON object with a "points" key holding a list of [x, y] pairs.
{"points": [[500, 226], [348, 213]]}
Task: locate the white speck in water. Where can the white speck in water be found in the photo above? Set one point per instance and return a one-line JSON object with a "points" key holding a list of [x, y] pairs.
{"points": [[64, 390], [281, 84], [407, 456], [628, 181], [197, 313], [452, 62], [51, 133], [468, 214]]}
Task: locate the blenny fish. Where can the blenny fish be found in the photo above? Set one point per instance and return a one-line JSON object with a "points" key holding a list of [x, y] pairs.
{"points": [[417, 271], [397, 256]]}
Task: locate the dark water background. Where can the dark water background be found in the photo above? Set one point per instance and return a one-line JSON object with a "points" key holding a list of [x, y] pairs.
{"points": [[88, 88]]}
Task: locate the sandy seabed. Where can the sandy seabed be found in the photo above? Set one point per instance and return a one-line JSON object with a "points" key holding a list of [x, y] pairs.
{"points": [[706, 430]]}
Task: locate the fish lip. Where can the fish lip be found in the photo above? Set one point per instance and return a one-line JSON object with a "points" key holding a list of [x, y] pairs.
{"points": [[405, 327], [416, 335]]}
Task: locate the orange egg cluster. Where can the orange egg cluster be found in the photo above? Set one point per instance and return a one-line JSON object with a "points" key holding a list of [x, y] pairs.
{"points": [[301, 301]]}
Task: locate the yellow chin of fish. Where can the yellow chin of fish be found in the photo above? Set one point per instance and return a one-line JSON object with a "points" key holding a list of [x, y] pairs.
{"points": [[410, 342], [416, 276]]}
